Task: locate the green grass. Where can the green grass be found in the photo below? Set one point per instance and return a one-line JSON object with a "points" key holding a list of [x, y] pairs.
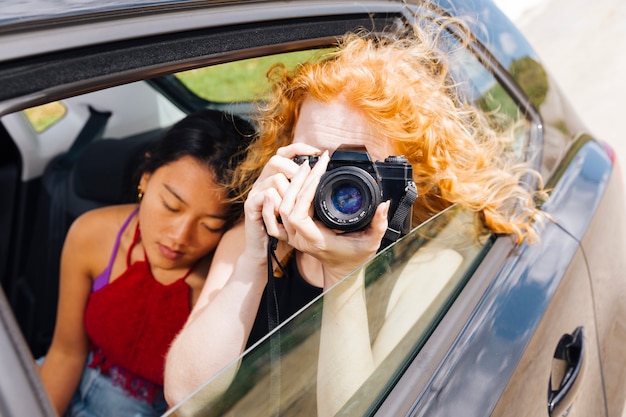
{"points": [[44, 116], [243, 80]]}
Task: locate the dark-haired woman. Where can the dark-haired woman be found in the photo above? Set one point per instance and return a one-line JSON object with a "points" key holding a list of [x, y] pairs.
{"points": [[130, 274]]}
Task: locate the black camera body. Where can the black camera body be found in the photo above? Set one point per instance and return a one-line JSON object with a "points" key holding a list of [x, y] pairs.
{"points": [[353, 186]]}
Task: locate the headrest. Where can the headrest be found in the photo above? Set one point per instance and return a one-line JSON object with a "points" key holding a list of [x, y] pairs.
{"points": [[104, 171]]}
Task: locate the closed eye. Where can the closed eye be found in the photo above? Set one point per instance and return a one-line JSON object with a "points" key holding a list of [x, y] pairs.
{"points": [[170, 208], [213, 229]]}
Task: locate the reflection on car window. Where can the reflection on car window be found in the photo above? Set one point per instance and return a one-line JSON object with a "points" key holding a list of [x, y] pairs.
{"points": [[241, 81], [483, 90], [46, 115], [279, 373]]}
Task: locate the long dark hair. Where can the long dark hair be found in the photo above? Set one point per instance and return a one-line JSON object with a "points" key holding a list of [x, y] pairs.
{"points": [[216, 139]]}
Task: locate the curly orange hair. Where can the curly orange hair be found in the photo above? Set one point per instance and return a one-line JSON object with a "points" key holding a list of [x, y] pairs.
{"points": [[402, 86]]}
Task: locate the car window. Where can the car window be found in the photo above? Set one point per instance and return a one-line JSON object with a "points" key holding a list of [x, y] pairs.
{"points": [[430, 265], [46, 115]]}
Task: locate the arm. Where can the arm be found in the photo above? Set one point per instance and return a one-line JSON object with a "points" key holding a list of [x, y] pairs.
{"points": [[345, 357], [219, 325], [65, 360]]}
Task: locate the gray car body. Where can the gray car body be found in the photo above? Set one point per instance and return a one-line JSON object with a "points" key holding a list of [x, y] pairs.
{"points": [[492, 345]]}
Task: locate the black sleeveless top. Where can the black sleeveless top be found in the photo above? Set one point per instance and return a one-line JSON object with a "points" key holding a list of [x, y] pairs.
{"points": [[292, 293]]}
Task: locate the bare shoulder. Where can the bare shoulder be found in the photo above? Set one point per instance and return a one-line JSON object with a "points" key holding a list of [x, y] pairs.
{"points": [[93, 233], [101, 220]]}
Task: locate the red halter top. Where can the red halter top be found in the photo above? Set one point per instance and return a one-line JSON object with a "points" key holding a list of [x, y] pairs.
{"points": [[132, 321]]}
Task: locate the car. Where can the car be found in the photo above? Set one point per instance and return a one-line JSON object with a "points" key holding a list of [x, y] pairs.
{"points": [[500, 328]]}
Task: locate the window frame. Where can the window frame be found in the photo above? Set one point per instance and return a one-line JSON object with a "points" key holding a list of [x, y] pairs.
{"points": [[38, 80]]}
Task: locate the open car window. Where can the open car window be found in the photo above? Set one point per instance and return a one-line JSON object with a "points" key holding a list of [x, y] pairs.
{"points": [[422, 273], [234, 87]]}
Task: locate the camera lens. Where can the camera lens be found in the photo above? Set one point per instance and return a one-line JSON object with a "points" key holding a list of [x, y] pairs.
{"points": [[347, 198]]}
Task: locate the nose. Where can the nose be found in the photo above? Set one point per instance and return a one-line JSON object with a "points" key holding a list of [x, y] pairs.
{"points": [[182, 232]]}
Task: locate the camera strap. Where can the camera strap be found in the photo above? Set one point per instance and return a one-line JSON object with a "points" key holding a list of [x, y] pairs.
{"points": [[273, 320], [396, 225]]}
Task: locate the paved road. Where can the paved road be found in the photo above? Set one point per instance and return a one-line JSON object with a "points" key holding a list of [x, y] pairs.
{"points": [[583, 45]]}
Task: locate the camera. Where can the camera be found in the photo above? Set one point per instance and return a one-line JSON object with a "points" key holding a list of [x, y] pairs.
{"points": [[353, 186]]}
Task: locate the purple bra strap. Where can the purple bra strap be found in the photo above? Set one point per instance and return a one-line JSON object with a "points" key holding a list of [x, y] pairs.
{"points": [[104, 277]]}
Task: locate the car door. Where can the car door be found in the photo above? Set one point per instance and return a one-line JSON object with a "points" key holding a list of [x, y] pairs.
{"points": [[21, 390], [532, 337]]}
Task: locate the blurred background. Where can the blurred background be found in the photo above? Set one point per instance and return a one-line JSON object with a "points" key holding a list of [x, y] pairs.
{"points": [[583, 46]]}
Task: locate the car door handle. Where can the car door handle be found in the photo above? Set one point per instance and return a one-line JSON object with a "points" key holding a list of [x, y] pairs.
{"points": [[567, 366]]}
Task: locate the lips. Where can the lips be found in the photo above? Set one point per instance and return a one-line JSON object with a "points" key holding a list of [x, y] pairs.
{"points": [[169, 253]]}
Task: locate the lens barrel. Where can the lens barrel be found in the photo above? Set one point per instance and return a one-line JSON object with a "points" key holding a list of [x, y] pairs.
{"points": [[347, 198]]}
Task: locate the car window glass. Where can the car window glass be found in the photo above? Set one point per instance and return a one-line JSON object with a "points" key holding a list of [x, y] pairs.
{"points": [[46, 115], [433, 261], [481, 88], [241, 81]]}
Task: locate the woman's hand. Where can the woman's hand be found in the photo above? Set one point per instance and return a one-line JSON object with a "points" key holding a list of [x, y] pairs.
{"points": [[266, 195], [340, 253]]}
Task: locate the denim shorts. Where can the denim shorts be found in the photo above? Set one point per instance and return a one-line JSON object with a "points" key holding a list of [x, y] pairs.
{"points": [[96, 396]]}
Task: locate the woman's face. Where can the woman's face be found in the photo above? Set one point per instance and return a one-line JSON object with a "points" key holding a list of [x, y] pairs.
{"points": [[326, 126], [181, 213]]}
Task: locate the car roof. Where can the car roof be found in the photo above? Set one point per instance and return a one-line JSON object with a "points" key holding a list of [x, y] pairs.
{"points": [[30, 11], [66, 24], [89, 22]]}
